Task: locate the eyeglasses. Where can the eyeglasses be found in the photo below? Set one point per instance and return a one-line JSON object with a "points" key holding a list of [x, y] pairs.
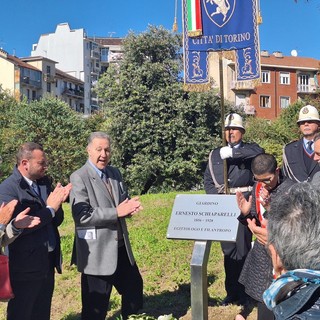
{"points": [[267, 180]]}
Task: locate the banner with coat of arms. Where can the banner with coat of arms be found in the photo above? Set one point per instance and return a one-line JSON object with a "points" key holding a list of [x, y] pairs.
{"points": [[217, 25]]}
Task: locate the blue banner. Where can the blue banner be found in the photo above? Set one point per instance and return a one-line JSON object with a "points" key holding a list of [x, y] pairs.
{"points": [[226, 25]]}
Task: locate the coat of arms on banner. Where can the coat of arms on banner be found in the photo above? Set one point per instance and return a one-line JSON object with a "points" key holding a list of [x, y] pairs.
{"points": [[219, 11]]}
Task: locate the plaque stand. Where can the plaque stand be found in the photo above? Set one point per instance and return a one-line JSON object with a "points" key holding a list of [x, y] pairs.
{"points": [[199, 283]]}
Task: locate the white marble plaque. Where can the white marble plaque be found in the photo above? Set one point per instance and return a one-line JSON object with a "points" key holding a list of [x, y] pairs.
{"points": [[204, 217]]}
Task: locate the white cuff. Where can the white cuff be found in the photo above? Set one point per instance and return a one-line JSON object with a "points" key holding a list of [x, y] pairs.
{"points": [[52, 211], [226, 152]]}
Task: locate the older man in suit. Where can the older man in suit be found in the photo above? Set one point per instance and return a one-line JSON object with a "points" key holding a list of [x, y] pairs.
{"points": [[100, 204], [35, 254]]}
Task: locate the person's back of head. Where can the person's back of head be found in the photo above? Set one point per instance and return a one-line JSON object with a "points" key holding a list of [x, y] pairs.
{"points": [[294, 227]]}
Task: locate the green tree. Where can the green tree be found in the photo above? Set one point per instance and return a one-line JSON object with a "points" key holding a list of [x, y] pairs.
{"points": [[8, 106], [61, 131], [161, 134]]}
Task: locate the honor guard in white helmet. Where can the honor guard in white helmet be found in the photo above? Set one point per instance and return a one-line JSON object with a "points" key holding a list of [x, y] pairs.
{"points": [[238, 156], [298, 156]]}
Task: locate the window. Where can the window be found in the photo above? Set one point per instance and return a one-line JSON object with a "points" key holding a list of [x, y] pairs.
{"points": [[48, 70], [284, 102], [284, 78], [48, 87], [265, 102], [265, 76], [303, 83], [104, 54]]}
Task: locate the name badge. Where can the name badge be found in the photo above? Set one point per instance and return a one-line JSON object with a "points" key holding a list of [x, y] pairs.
{"points": [[87, 234]]}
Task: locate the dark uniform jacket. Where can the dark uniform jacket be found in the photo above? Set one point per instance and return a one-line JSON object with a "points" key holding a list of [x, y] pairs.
{"points": [[294, 162], [239, 168], [239, 175]]}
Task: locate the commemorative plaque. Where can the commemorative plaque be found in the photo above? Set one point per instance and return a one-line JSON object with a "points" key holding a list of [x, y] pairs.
{"points": [[204, 217]]}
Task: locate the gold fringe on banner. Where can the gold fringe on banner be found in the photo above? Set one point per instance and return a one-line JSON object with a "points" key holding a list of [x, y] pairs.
{"points": [[194, 33], [197, 87]]}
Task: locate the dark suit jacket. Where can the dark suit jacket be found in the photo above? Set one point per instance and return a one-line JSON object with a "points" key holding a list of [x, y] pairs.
{"points": [[28, 254], [293, 163]]}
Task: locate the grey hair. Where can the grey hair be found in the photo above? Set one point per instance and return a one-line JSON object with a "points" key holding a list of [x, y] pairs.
{"points": [[294, 227], [98, 135]]}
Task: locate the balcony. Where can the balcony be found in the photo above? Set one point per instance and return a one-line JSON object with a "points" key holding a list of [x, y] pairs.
{"points": [[26, 81], [49, 78], [306, 88], [242, 85], [95, 71], [73, 93], [95, 54]]}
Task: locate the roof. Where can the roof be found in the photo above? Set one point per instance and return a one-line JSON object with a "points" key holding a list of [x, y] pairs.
{"points": [[20, 63], [63, 74], [107, 41], [290, 62], [37, 58], [286, 62]]}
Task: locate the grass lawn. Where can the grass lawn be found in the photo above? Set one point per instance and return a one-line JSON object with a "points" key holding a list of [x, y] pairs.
{"points": [[164, 265]]}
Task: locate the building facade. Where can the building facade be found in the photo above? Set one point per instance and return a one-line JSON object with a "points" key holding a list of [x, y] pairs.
{"points": [[32, 78], [79, 56], [19, 78], [284, 80]]}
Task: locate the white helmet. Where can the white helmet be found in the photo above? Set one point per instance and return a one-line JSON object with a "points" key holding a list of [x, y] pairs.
{"points": [[308, 113], [233, 120]]}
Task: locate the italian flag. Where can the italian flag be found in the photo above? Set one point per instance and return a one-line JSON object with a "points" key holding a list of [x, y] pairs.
{"points": [[194, 18]]}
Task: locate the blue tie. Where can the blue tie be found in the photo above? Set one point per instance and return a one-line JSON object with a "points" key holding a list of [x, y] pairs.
{"points": [[309, 146], [35, 188]]}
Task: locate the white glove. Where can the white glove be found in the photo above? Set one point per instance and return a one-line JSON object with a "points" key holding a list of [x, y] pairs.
{"points": [[226, 152]]}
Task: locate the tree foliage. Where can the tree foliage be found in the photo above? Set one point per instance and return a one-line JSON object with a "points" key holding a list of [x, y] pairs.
{"points": [[161, 134], [50, 122]]}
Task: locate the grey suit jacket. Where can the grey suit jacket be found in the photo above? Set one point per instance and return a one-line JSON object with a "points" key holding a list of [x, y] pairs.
{"points": [[96, 221], [8, 235]]}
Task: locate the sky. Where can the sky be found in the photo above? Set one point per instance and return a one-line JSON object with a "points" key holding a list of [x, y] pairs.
{"points": [[286, 25]]}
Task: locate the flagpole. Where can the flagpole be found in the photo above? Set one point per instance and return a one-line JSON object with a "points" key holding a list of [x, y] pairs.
{"points": [[175, 23], [225, 167]]}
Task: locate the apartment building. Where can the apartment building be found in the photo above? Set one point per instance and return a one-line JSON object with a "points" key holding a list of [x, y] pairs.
{"points": [[70, 90], [111, 50], [82, 57], [19, 78], [36, 77], [284, 80]]}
